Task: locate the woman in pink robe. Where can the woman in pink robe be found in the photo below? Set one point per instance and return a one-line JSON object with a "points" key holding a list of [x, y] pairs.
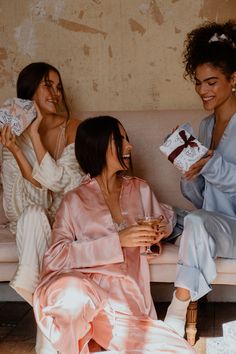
{"points": [[95, 284]]}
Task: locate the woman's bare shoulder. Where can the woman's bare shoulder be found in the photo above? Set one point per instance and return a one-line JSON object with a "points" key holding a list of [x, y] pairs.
{"points": [[74, 122], [71, 129]]}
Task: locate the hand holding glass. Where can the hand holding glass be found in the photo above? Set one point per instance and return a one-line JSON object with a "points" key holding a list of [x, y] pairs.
{"points": [[156, 222]]}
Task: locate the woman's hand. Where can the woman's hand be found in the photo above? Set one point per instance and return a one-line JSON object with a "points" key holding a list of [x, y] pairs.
{"points": [[161, 230], [8, 139], [195, 169], [138, 235], [34, 126]]}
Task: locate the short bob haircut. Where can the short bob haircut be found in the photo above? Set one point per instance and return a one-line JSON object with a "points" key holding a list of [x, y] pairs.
{"points": [[30, 78], [91, 143]]}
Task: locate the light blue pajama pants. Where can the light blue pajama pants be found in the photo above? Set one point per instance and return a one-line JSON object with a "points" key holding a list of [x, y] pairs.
{"points": [[206, 235]]}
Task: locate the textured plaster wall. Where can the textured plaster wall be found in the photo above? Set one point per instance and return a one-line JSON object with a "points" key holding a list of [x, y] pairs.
{"points": [[113, 54]]}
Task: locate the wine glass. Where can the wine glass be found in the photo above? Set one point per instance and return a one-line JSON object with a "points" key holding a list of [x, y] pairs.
{"points": [[156, 221]]}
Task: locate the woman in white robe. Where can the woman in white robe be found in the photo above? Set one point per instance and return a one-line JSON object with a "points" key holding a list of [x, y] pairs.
{"points": [[38, 167]]}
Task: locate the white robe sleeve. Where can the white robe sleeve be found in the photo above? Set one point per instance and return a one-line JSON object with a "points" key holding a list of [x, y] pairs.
{"points": [[19, 192], [59, 175]]}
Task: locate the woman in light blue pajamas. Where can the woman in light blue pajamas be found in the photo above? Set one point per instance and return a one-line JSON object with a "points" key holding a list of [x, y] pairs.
{"points": [[210, 184]]}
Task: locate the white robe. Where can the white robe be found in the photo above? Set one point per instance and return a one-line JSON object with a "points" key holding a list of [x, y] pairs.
{"points": [[31, 210]]}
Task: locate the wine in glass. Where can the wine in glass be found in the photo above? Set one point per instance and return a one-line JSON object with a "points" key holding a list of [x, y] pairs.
{"points": [[156, 222]]}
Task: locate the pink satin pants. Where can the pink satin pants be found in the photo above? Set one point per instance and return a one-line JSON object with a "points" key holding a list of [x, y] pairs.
{"points": [[72, 310]]}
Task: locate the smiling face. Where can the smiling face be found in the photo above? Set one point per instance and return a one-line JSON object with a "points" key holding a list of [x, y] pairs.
{"points": [[48, 94], [213, 87], [112, 159]]}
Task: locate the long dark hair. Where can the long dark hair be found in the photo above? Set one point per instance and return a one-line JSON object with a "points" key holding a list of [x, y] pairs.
{"points": [[91, 143], [30, 78], [211, 43]]}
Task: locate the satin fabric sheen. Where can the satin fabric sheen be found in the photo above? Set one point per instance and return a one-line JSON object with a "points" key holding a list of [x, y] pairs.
{"points": [[91, 286], [209, 232]]}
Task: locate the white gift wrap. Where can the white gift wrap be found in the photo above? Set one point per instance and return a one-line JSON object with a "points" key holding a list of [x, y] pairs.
{"points": [[18, 113], [229, 333], [225, 344], [190, 149], [218, 345]]}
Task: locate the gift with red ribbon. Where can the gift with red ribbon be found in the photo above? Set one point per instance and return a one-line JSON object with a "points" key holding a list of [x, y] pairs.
{"points": [[183, 149]]}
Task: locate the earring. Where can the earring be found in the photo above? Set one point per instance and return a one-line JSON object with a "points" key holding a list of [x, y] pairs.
{"points": [[234, 89]]}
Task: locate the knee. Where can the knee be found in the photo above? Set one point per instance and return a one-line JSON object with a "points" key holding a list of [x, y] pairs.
{"points": [[33, 224], [195, 217], [194, 227], [33, 211], [33, 216], [72, 296]]}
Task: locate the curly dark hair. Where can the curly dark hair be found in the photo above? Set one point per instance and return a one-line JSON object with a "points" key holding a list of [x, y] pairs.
{"points": [[200, 48]]}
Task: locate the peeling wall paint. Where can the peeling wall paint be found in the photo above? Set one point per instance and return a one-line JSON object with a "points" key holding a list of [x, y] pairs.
{"points": [[110, 51], [77, 27], [156, 13], [86, 50], [112, 54], [3, 54], [136, 27], [24, 37], [218, 10], [40, 8]]}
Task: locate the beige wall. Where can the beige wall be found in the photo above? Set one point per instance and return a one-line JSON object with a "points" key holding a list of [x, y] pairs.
{"points": [[113, 54]]}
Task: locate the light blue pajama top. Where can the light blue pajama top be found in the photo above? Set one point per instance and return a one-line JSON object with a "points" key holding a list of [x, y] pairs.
{"points": [[215, 188]]}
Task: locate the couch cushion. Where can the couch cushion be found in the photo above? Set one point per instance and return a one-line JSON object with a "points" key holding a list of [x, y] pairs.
{"points": [[7, 271], [169, 255], [163, 267], [8, 252], [225, 265]]}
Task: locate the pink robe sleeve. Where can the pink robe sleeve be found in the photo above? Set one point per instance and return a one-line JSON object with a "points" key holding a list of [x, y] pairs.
{"points": [[152, 206], [71, 249]]}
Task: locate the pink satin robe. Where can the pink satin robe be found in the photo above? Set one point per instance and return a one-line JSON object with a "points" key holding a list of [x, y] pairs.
{"points": [[91, 287]]}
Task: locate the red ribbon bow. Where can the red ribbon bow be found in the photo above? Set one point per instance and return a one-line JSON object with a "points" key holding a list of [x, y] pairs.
{"points": [[179, 149]]}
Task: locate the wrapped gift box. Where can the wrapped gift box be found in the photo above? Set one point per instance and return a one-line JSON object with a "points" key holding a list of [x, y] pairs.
{"points": [[183, 149], [229, 333], [18, 113], [225, 344], [217, 345]]}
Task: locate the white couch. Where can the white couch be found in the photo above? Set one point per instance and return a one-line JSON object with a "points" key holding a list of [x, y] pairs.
{"points": [[146, 131]]}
